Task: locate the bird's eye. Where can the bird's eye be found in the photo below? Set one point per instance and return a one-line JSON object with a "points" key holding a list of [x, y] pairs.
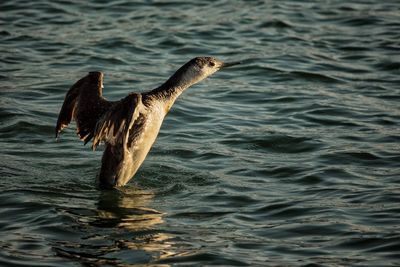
{"points": [[212, 64]]}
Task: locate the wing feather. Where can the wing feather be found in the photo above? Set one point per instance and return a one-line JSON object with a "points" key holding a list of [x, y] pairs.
{"points": [[113, 127], [85, 104]]}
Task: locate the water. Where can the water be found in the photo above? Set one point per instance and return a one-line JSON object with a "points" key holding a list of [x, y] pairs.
{"points": [[291, 159]]}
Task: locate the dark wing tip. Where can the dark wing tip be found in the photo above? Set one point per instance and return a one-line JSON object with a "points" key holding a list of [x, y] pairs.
{"points": [[96, 74], [86, 112]]}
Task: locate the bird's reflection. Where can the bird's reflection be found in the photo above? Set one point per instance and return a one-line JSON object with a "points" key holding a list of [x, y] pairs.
{"points": [[121, 231], [127, 208]]}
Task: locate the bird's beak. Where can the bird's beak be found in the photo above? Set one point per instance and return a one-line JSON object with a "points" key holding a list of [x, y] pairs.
{"points": [[229, 64]]}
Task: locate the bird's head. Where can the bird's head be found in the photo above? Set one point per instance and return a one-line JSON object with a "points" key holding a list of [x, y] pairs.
{"points": [[198, 69]]}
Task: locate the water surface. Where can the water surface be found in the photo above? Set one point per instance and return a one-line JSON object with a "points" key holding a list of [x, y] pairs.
{"points": [[291, 159]]}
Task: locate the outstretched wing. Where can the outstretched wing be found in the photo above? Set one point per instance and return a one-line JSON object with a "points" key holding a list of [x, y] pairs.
{"points": [[114, 126], [85, 104]]}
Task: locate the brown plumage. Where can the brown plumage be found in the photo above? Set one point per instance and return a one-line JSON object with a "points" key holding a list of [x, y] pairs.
{"points": [[85, 104], [129, 126]]}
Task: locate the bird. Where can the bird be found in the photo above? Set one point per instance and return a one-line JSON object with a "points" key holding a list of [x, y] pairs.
{"points": [[127, 127]]}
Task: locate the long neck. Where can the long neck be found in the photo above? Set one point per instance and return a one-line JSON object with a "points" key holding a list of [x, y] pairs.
{"points": [[169, 91]]}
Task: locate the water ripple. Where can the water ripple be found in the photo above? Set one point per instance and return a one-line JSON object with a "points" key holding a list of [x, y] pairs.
{"points": [[291, 157]]}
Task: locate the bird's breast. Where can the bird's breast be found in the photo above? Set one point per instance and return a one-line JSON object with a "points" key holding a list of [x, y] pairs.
{"points": [[145, 132], [142, 136], [147, 128]]}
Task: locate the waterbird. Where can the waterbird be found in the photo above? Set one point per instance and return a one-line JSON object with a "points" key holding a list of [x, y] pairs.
{"points": [[127, 127]]}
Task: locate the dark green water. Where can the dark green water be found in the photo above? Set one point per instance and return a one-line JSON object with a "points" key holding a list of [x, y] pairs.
{"points": [[291, 159]]}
